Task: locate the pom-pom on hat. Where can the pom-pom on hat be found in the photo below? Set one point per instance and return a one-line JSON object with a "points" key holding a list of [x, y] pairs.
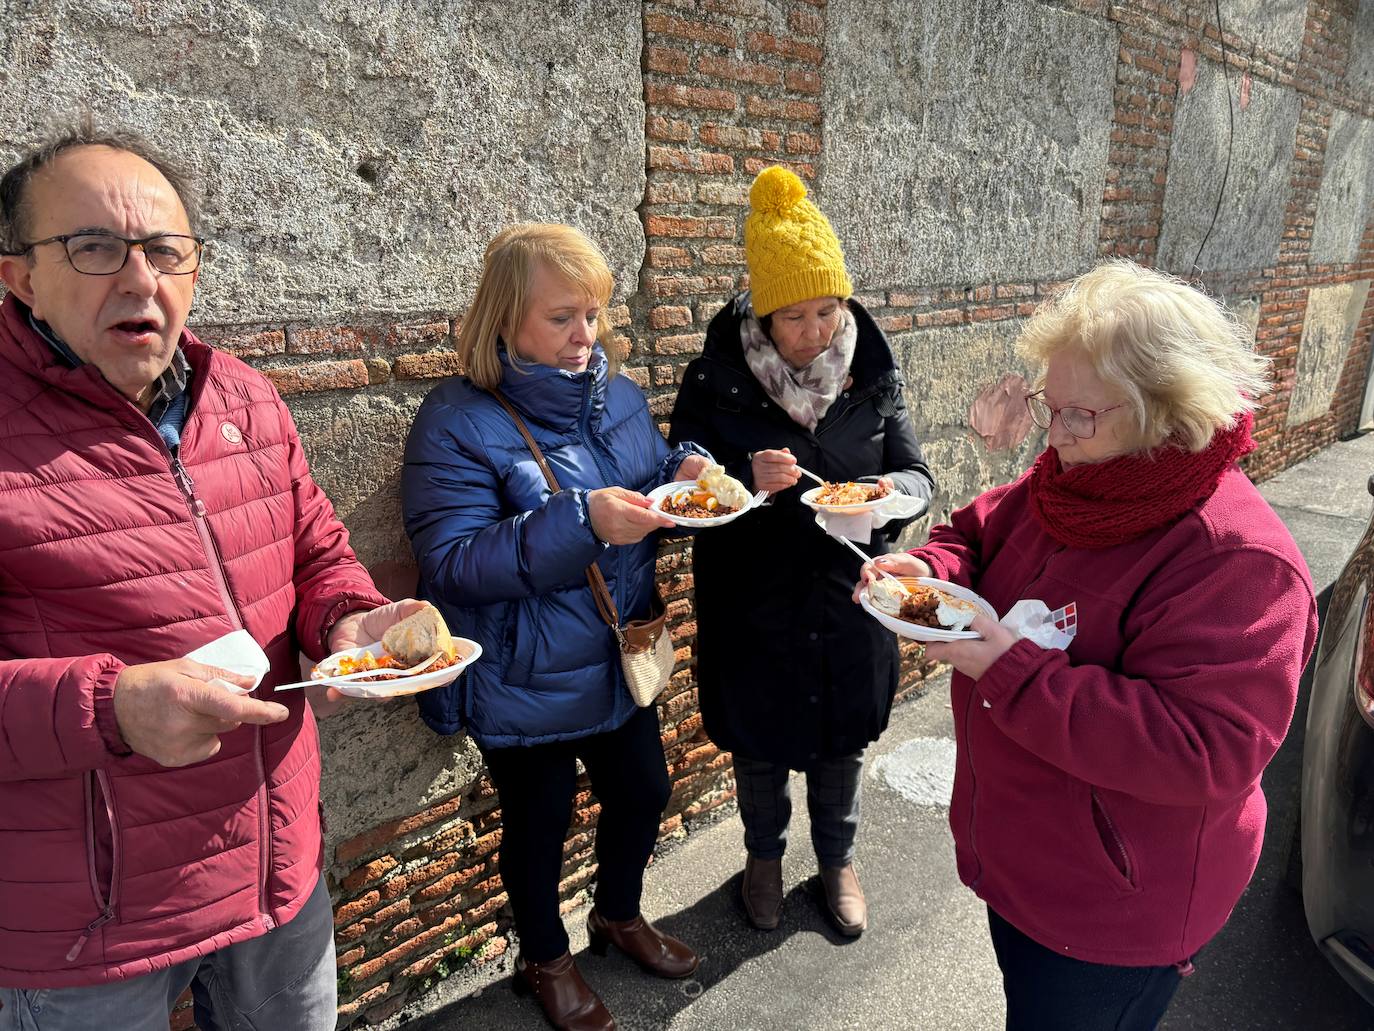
{"points": [[792, 253]]}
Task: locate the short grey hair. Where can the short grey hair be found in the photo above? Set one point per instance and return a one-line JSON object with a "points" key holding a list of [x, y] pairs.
{"points": [[14, 184]]}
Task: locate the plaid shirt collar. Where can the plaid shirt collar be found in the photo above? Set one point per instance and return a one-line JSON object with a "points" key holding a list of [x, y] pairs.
{"points": [[165, 389]]}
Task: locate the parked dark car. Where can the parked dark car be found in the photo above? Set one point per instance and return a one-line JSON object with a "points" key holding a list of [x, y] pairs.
{"points": [[1338, 777]]}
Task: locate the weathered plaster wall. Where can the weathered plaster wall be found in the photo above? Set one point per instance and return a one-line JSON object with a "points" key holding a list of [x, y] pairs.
{"points": [[356, 157], [1345, 201], [1276, 25], [965, 141], [364, 785], [1251, 220], [1333, 312], [945, 368], [1359, 74]]}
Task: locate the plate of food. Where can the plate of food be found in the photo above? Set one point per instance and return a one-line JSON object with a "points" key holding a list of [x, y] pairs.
{"points": [[929, 609], [415, 655], [713, 499], [847, 497]]}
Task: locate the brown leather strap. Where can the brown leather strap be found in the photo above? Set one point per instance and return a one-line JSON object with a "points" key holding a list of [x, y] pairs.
{"points": [[605, 604], [529, 440]]}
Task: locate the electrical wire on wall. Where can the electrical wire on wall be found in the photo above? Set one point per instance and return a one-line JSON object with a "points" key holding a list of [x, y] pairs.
{"points": [[1230, 140]]}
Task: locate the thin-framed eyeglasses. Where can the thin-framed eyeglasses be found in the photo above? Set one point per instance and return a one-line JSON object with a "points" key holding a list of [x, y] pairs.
{"points": [[104, 254], [1081, 422]]}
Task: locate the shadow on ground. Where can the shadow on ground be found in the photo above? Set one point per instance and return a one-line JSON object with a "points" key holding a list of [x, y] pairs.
{"points": [[716, 927]]}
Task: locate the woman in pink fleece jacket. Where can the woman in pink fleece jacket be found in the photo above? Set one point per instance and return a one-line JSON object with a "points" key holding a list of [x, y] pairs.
{"points": [[1107, 803]]}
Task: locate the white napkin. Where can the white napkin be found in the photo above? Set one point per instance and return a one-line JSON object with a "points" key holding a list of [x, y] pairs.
{"points": [[1033, 620], [238, 653], [859, 526]]}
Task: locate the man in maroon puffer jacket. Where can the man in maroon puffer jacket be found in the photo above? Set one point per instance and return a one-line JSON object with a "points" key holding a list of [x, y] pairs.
{"points": [[157, 831]]}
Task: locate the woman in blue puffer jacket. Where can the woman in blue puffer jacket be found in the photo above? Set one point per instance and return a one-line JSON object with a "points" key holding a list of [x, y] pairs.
{"points": [[505, 560]]}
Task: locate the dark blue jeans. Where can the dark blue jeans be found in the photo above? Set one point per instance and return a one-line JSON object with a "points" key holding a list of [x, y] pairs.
{"points": [[1049, 992]]}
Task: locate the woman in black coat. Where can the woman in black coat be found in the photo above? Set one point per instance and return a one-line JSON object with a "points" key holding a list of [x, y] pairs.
{"points": [[792, 675]]}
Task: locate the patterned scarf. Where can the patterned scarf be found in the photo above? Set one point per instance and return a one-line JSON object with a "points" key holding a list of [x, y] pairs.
{"points": [[805, 394], [1112, 502]]}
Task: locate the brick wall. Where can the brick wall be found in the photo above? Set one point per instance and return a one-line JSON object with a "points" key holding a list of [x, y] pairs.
{"points": [[729, 87]]}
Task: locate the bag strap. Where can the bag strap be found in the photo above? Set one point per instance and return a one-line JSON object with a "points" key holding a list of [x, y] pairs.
{"points": [[605, 604]]}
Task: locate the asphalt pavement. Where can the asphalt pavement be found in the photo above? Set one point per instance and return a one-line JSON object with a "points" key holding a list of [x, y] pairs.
{"points": [[925, 962]]}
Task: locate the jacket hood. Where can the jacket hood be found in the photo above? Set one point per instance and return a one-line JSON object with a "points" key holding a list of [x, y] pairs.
{"points": [[556, 397]]}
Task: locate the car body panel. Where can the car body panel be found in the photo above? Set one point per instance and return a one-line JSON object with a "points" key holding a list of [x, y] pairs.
{"points": [[1338, 778]]}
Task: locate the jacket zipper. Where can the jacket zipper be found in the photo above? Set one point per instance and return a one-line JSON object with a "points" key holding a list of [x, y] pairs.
{"points": [[106, 904], [969, 711], [584, 428], [1116, 836], [207, 541]]}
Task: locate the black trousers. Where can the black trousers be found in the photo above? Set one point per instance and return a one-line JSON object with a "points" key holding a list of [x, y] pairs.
{"points": [[1049, 992], [536, 784]]}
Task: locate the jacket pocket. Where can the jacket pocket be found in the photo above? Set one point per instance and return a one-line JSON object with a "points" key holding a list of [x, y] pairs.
{"points": [[102, 856], [521, 640], [1113, 853]]}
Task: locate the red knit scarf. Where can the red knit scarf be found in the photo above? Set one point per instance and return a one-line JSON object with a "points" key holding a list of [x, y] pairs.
{"points": [[1111, 502]]}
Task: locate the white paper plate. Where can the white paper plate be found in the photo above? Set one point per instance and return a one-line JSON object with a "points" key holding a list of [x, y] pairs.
{"points": [[468, 651], [917, 632], [809, 500], [659, 493]]}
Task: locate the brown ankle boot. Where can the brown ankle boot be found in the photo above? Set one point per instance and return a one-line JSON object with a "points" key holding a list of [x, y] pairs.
{"points": [[762, 892], [568, 1003], [654, 951], [844, 899]]}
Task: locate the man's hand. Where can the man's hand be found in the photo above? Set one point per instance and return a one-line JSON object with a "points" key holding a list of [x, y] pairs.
{"points": [[691, 467], [368, 625], [170, 712], [900, 564], [622, 516], [353, 631], [775, 470]]}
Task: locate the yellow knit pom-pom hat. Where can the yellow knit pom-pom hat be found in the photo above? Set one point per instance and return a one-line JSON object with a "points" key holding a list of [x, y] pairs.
{"points": [[792, 252]]}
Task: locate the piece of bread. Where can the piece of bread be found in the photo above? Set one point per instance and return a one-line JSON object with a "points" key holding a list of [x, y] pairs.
{"points": [[419, 637]]}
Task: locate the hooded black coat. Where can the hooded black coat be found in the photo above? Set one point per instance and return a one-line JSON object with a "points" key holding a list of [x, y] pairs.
{"points": [[790, 670]]}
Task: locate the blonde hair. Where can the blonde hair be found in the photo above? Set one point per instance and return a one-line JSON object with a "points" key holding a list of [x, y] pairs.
{"points": [[503, 294], [1183, 360]]}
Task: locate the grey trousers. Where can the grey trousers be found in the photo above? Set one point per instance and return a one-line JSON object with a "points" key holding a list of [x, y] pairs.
{"points": [[281, 980], [832, 800]]}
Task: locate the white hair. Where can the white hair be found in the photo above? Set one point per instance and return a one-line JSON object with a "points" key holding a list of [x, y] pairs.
{"points": [[1183, 360]]}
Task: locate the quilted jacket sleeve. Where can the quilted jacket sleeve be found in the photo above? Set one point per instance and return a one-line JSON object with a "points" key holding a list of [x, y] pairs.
{"points": [[469, 553], [691, 422], [902, 457], [954, 550], [57, 716], [663, 459], [330, 581]]}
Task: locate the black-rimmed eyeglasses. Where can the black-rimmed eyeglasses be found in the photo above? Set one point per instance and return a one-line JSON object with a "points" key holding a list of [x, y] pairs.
{"points": [[104, 254], [1081, 422]]}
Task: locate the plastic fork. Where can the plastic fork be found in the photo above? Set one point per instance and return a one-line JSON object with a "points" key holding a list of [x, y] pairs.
{"points": [[361, 674], [869, 558]]}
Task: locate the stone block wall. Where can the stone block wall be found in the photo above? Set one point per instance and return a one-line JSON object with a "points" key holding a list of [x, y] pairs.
{"points": [[972, 156]]}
